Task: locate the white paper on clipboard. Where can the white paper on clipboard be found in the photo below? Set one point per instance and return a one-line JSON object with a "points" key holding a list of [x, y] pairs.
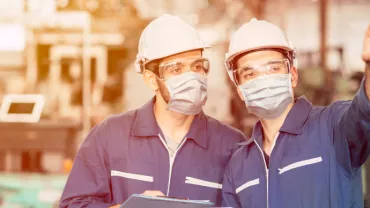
{"points": [[140, 201]]}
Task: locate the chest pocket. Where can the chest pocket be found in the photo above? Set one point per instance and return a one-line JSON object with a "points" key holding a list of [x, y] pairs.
{"points": [[251, 192], [304, 179], [203, 182], [302, 169], [131, 177], [204, 177]]}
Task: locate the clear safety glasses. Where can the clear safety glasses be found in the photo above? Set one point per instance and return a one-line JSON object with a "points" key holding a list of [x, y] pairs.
{"points": [[249, 72], [167, 70]]}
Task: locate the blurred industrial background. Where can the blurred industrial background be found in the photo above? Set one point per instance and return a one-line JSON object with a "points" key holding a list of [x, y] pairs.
{"points": [[78, 55]]}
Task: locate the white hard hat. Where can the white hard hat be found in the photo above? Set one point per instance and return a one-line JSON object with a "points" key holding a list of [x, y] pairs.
{"points": [[255, 35], [166, 35]]}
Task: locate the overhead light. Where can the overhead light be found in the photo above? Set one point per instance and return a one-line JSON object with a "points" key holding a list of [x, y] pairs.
{"points": [[62, 3], [92, 5], [12, 37]]}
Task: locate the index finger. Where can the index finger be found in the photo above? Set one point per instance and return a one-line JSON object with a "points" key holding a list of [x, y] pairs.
{"points": [[153, 193]]}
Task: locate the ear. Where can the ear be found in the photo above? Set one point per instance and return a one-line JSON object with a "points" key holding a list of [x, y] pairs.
{"points": [[294, 74], [150, 79]]}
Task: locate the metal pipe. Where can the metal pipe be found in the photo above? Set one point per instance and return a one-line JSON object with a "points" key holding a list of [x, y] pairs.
{"points": [[86, 85]]}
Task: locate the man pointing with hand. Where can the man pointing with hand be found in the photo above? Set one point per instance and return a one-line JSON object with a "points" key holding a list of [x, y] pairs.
{"points": [[299, 155]]}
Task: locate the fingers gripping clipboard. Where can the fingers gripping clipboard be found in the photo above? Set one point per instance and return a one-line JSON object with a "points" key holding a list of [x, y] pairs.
{"points": [[140, 201]]}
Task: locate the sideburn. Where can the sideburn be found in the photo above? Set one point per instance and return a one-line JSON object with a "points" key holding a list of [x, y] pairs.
{"points": [[163, 90]]}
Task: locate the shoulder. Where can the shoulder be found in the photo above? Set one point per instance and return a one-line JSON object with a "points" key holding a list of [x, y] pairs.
{"points": [[224, 131], [245, 152], [237, 158], [333, 110], [112, 126], [120, 120]]}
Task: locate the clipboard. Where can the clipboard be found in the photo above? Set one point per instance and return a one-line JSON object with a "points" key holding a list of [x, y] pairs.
{"points": [[141, 201]]}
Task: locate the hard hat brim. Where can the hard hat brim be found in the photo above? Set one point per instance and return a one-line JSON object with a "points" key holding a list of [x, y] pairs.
{"points": [[138, 60], [181, 51], [279, 47]]}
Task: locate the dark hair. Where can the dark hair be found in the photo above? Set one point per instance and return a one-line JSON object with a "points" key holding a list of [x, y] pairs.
{"points": [[287, 54], [153, 66]]}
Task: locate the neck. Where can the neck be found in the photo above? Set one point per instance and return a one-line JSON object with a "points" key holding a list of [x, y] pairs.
{"points": [[271, 127], [367, 80], [173, 124]]}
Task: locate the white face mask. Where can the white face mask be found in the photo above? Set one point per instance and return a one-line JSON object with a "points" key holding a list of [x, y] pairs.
{"points": [[188, 93], [268, 96]]}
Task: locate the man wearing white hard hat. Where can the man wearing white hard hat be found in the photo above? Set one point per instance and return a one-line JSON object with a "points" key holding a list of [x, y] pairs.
{"points": [[299, 155], [168, 146]]}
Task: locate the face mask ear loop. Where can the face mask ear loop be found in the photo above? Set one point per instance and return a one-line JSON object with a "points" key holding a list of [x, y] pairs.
{"points": [[162, 79]]}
